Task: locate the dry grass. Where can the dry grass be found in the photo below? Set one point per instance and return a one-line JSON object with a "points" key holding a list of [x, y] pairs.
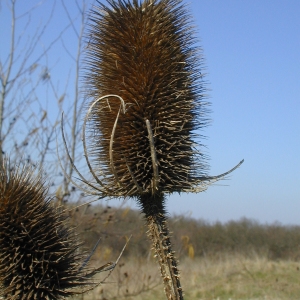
{"points": [[237, 277], [222, 277], [241, 260]]}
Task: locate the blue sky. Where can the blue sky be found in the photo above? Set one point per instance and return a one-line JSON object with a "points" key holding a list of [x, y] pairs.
{"points": [[252, 52], [252, 61]]}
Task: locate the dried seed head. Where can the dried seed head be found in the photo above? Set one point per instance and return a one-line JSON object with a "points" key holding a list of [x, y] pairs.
{"points": [[39, 255], [145, 53]]}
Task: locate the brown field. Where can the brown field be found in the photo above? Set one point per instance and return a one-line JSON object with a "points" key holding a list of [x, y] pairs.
{"points": [[221, 278], [241, 260]]}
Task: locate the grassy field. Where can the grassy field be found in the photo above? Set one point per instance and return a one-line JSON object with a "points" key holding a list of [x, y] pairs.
{"points": [[238, 260], [221, 277]]}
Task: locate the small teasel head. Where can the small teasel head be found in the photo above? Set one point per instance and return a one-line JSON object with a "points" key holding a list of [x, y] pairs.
{"points": [[39, 254]]}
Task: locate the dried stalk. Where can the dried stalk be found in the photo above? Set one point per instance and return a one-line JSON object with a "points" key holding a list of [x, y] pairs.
{"points": [[158, 232]]}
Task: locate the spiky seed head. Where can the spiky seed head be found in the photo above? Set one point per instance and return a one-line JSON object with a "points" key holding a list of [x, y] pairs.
{"points": [[145, 53], [39, 252]]}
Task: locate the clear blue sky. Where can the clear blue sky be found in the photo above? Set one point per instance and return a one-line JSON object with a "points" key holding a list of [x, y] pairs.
{"points": [[252, 60]]}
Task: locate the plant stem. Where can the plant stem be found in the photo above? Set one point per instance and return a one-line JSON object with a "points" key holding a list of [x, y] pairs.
{"points": [[153, 207]]}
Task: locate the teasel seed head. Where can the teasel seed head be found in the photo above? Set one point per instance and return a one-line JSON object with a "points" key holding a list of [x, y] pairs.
{"points": [[39, 253], [143, 74], [144, 53]]}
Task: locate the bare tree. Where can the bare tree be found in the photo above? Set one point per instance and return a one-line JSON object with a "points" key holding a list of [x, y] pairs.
{"points": [[76, 103], [32, 96], [23, 71]]}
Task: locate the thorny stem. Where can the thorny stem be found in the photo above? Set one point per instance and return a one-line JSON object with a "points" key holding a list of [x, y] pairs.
{"points": [[153, 207]]}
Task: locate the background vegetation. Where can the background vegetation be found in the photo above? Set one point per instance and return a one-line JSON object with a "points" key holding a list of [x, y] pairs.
{"points": [[236, 260], [192, 238]]}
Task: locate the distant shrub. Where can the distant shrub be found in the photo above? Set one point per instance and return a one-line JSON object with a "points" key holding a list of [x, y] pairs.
{"points": [[195, 238]]}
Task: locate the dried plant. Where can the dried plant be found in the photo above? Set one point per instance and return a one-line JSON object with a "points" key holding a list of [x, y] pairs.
{"points": [[143, 74], [40, 256]]}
